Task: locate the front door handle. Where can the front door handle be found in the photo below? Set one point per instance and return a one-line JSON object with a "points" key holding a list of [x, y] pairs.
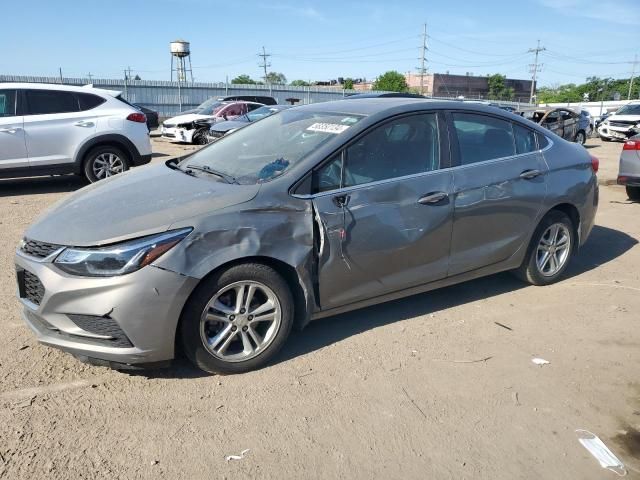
{"points": [[530, 174], [10, 130], [433, 197], [84, 124]]}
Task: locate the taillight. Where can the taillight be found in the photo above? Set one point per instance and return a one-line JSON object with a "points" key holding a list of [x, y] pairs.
{"points": [[595, 164], [631, 145], [137, 117]]}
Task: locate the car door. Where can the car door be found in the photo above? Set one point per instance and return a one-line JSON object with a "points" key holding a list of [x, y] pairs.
{"points": [[553, 121], [54, 126], [569, 125], [499, 187], [13, 150], [383, 209]]}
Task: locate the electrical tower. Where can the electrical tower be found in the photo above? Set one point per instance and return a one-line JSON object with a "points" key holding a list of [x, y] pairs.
{"points": [[633, 74], [535, 68], [264, 63], [422, 68]]}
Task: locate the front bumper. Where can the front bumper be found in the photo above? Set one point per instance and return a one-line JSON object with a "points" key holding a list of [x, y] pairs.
{"points": [[615, 133], [176, 134], [129, 319]]}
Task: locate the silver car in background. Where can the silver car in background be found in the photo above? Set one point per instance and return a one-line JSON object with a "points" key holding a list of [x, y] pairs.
{"points": [[314, 211], [629, 171]]}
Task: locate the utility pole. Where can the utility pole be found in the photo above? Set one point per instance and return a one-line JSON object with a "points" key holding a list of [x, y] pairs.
{"points": [[90, 77], [423, 59], [126, 96], [264, 63], [633, 74], [534, 68], [60, 69]]}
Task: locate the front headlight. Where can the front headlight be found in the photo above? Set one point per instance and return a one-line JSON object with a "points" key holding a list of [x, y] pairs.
{"points": [[118, 259]]}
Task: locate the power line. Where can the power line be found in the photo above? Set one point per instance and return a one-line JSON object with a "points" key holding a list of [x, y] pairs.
{"points": [[472, 51], [536, 50], [264, 63]]}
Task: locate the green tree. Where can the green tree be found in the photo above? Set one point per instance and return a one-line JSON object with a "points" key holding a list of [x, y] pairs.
{"points": [[299, 83], [276, 78], [243, 80], [348, 83], [498, 89], [391, 81]]}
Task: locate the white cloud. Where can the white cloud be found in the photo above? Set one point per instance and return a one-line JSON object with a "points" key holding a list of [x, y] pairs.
{"points": [[610, 11]]}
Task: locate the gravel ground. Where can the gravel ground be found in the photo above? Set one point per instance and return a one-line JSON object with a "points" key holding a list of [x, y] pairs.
{"points": [[426, 387]]}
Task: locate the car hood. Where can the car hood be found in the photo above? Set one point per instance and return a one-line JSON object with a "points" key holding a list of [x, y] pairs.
{"points": [[140, 202], [228, 125], [186, 118], [624, 118]]}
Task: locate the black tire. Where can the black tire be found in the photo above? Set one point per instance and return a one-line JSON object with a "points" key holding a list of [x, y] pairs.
{"points": [[633, 193], [529, 271], [190, 331], [581, 137], [605, 139], [200, 137], [93, 156]]}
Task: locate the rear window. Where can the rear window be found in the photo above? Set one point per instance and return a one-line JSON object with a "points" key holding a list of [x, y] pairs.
{"points": [[89, 101], [7, 103], [41, 102]]}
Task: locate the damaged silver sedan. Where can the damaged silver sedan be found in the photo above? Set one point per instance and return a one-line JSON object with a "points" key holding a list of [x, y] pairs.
{"points": [[313, 211]]}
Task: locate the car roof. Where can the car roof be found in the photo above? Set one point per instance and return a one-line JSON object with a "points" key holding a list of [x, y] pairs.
{"points": [[65, 88], [371, 106]]}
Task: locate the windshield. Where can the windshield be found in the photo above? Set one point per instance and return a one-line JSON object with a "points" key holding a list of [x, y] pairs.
{"points": [[631, 109], [210, 109], [266, 149], [259, 113]]}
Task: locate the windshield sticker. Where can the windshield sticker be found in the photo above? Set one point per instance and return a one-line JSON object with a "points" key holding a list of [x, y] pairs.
{"points": [[349, 120], [327, 128]]}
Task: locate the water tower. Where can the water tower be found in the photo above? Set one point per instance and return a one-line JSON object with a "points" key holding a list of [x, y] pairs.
{"points": [[181, 55]]}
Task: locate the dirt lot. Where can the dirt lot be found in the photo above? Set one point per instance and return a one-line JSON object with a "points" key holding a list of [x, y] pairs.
{"points": [[425, 387]]}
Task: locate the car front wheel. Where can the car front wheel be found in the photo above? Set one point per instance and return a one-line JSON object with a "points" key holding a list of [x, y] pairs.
{"points": [[104, 162], [237, 320], [581, 137], [550, 250]]}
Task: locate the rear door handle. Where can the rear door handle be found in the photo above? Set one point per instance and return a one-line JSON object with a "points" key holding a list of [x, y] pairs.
{"points": [[84, 123], [530, 174], [10, 130], [433, 197]]}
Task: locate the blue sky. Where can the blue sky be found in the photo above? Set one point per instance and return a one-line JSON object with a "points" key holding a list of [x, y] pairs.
{"points": [[320, 40]]}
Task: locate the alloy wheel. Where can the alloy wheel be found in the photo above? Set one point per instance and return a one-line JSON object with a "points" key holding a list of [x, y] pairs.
{"points": [[240, 321], [553, 249], [106, 165]]}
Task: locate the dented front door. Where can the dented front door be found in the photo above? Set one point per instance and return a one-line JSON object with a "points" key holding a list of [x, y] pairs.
{"points": [[383, 237]]}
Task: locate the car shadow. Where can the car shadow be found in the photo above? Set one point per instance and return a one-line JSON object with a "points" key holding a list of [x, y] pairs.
{"points": [[604, 245], [35, 185]]}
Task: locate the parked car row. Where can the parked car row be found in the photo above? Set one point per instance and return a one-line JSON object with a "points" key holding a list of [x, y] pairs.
{"points": [[564, 122]]}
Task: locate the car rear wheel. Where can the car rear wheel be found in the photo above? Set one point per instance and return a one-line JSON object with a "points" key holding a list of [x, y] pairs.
{"points": [[237, 320], [581, 137], [550, 250], [633, 193], [104, 162]]}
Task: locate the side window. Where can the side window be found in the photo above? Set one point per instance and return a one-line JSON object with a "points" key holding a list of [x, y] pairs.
{"points": [[7, 103], [401, 147], [40, 102], [329, 176], [89, 101], [481, 137], [525, 139], [552, 118], [253, 106]]}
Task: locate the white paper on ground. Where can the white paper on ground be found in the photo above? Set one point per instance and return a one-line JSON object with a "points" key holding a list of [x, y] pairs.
{"points": [[540, 361], [599, 450]]}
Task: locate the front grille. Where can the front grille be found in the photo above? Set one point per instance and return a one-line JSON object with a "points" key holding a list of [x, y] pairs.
{"points": [[103, 325], [38, 249], [622, 123], [32, 287]]}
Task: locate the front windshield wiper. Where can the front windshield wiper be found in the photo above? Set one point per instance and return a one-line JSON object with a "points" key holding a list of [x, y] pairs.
{"points": [[204, 168]]}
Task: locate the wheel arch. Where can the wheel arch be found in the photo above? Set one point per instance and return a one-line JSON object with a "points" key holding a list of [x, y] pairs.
{"points": [[570, 211], [112, 139]]}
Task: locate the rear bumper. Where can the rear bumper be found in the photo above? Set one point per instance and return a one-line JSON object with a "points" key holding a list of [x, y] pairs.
{"points": [[629, 181], [126, 320]]}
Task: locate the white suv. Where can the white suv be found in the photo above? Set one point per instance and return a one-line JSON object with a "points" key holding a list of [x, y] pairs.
{"points": [[622, 124], [55, 129]]}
